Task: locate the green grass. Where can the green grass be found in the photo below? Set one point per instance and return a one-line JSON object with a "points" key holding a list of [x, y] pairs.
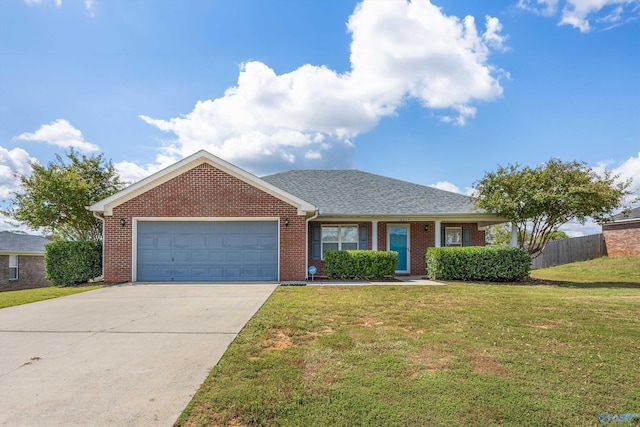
{"points": [[464, 354], [600, 270], [11, 298]]}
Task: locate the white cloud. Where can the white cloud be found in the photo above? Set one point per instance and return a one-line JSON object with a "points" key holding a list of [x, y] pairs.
{"points": [[582, 14], [61, 134], [575, 229], [626, 170], [89, 4], [131, 172], [12, 162], [447, 186], [400, 50]]}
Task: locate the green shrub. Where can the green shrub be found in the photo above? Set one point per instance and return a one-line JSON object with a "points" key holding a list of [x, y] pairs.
{"points": [[360, 264], [494, 264], [69, 263]]}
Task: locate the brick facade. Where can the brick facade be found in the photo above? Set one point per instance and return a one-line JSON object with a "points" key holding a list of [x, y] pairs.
{"points": [[203, 192], [31, 273], [622, 239], [419, 241]]}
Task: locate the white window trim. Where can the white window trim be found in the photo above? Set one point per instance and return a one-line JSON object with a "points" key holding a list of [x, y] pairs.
{"points": [[13, 265], [357, 242], [446, 243]]}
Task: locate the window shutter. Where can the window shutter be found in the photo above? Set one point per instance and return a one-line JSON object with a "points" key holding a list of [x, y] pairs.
{"points": [[316, 241], [443, 240], [466, 236], [363, 233]]}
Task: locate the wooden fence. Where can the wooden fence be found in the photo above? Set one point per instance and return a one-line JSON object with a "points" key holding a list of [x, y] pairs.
{"points": [[564, 251]]}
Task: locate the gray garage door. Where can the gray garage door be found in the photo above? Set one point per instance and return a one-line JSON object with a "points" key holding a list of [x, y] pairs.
{"points": [[207, 251]]}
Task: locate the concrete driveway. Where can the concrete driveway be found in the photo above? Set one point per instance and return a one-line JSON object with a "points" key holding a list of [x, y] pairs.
{"points": [[130, 355]]}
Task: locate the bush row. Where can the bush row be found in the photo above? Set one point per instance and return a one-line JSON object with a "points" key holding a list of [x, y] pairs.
{"points": [[69, 263], [360, 264], [494, 264]]}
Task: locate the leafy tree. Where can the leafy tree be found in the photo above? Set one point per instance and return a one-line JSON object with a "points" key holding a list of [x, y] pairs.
{"points": [[539, 200], [55, 197], [558, 235], [499, 235]]}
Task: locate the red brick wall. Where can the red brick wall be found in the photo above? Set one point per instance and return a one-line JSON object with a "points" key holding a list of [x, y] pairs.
{"points": [[320, 264], [203, 192], [31, 273], [419, 239], [622, 239]]}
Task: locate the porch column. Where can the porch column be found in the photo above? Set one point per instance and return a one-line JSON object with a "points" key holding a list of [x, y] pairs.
{"points": [[374, 235], [437, 233], [514, 235]]}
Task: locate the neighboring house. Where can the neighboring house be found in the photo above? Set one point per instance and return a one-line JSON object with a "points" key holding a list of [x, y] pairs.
{"points": [[22, 261], [622, 234], [204, 219]]}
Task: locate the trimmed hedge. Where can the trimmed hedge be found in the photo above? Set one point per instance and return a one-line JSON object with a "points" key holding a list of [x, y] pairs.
{"points": [[69, 263], [360, 264], [493, 264]]}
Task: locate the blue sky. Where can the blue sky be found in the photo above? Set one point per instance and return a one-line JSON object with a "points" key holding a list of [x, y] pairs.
{"points": [[434, 92]]}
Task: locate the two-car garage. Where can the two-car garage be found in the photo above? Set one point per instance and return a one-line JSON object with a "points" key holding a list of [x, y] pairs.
{"points": [[206, 251]]}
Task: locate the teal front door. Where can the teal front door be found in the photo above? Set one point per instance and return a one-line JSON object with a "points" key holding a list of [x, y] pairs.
{"points": [[398, 238]]}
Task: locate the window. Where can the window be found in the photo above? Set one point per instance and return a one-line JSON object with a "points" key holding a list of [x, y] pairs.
{"points": [[453, 236], [13, 267], [339, 237]]}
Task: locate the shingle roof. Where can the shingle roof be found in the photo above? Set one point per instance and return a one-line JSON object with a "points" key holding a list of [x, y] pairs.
{"points": [[22, 243], [631, 215], [353, 192]]}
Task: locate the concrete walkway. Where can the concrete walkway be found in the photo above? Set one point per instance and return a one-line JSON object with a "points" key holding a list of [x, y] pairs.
{"points": [[400, 280], [126, 355]]}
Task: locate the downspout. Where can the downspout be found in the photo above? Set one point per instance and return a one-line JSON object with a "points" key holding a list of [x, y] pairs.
{"points": [[101, 218], [306, 253]]}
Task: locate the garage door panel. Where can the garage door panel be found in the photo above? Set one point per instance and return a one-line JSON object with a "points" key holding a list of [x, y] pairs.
{"points": [[207, 251]]}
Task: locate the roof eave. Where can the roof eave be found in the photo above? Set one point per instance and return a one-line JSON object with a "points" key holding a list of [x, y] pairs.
{"points": [[106, 205]]}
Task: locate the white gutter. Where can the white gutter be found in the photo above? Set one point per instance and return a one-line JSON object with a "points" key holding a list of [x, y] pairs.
{"points": [[306, 246], [101, 218]]}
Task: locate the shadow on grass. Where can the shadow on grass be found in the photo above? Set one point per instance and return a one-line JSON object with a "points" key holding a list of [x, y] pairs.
{"points": [[596, 285], [560, 284]]}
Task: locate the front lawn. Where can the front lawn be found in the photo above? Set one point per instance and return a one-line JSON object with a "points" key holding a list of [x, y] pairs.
{"points": [[11, 298], [464, 354], [599, 270]]}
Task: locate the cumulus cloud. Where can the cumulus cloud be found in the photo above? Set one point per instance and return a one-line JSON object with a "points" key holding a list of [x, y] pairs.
{"points": [[400, 50], [583, 14], [131, 172], [61, 134], [448, 186], [89, 4], [628, 169], [13, 162]]}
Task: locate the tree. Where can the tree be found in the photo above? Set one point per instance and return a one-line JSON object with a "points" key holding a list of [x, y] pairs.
{"points": [[539, 200], [499, 235], [558, 235], [55, 197]]}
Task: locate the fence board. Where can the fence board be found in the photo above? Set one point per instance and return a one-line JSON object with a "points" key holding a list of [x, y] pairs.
{"points": [[564, 251]]}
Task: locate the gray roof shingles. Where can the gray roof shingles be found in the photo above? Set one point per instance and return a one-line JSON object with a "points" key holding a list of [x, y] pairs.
{"points": [[625, 216], [23, 243], [357, 193]]}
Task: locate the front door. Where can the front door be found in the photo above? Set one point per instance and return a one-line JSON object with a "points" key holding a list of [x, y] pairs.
{"points": [[398, 240]]}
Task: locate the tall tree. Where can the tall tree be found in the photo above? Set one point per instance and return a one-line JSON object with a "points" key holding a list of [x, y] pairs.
{"points": [[55, 197], [539, 200]]}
